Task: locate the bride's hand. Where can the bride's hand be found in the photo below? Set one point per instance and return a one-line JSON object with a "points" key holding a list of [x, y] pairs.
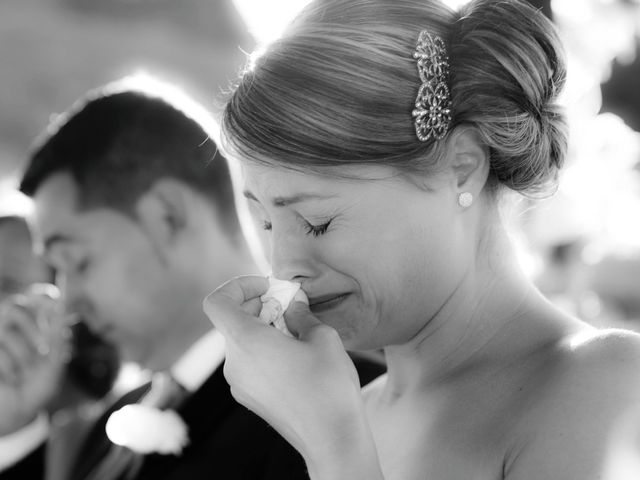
{"points": [[306, 387]]}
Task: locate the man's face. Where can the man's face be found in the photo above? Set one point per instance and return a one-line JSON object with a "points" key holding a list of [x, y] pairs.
{"points": [[110, 271], [19, 267]]}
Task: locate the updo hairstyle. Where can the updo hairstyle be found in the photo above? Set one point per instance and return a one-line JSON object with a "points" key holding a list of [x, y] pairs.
{"points": [[339, 86]]}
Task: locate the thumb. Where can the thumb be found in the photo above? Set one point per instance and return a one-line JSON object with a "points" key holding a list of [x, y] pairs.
{"points": [[224, 306], [299, 319]]}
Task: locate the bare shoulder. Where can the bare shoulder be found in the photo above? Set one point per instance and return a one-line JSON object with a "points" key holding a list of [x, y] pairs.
{"points": [[610, 341], [607, 358], [599, 374], [588, 414]]}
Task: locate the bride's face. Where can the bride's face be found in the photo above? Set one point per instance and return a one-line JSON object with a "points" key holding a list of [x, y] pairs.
{"points": [[376, 254]]}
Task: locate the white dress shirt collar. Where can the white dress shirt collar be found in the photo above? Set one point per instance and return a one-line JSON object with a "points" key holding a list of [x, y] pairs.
{"points": [[191, 371], [199, 361]]}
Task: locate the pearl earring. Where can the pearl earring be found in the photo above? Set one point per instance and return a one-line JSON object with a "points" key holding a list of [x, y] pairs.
{"points": [[465, 199]]}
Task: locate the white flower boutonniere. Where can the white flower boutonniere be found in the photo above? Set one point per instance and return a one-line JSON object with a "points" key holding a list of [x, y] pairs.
{"points": [[146, 430]]}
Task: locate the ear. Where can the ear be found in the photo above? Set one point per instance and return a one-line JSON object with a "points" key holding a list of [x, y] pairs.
{"points": [[163, 212], [470, 160]]}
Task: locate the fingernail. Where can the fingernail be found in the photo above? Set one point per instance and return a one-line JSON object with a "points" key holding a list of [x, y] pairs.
{"points": [[301, 297]]}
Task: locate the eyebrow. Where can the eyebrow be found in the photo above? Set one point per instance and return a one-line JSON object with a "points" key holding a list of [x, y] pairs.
{"points": [[55, 239], [284, 201]]}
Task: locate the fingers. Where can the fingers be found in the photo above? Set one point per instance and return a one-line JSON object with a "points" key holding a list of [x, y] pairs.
{"points": [[19, 320], [300, 321], [19, 347], [30, 336], [300, 296], [232, 307], [42, 319], [242, 289], [8, 372], [59, 340], [18, 356], [253, 307]]}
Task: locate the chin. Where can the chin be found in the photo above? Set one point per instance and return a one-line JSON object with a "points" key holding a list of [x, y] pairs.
{"points": [[351, 328], [353, 323], [362, 343]]}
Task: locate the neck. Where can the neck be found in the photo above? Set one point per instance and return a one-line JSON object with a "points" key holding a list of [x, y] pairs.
{"points": [[193, 323], [188, 327], [482, 320]]}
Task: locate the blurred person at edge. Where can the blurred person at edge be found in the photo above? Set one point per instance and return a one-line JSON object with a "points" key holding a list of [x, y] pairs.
{"points": [[19, 266], [377, 178], [92, 363], [134, 208]]}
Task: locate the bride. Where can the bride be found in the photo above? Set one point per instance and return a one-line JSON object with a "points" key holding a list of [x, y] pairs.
{"points": [[376, 137]]}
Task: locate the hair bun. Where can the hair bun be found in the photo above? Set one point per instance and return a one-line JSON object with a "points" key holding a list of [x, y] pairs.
{"points": [[507, 70]]}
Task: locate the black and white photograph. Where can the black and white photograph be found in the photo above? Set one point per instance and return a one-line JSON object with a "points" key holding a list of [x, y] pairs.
{"points": [[320, 240]]}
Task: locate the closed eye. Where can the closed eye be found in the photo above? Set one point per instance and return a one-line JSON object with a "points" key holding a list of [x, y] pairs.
{"points": [[311, 229], [317, 230]]}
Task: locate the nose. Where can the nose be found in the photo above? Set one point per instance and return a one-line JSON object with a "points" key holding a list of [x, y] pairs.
{"points": [[292, 258]]}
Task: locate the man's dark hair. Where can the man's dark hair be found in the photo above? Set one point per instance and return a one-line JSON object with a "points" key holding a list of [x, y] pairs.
{"points": [[117, 144]]}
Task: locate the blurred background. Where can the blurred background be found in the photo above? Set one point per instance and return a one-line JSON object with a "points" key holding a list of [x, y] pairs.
{"points": [[582, 246]]}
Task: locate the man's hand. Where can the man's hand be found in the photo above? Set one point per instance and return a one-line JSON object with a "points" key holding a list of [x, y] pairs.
{"points": [[34, 347]]}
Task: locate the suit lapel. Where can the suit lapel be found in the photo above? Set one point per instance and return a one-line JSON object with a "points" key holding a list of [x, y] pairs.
{"points": [[65, 442], [208, 406], [97, 444], [203, 411]]}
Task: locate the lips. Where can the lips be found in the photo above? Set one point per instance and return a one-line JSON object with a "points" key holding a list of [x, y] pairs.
{"points": [[327, 302]]}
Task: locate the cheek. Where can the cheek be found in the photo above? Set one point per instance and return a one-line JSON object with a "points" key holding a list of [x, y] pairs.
{"points": [[407, 273], [261, 243], [123, 287]]}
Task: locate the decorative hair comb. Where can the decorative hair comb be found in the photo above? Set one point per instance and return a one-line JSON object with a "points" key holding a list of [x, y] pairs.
{"points": [[432, 113]]}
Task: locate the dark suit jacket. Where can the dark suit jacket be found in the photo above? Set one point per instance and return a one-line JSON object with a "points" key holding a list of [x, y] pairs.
{"points": [[227, 441]]}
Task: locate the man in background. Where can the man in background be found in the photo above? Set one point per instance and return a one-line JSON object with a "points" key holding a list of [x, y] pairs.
{"points": [[93, 363], [19, 267], [90, 365], [135, 210]]}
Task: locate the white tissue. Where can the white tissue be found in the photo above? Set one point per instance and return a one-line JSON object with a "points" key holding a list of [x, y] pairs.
{"points": [[276, 301]]}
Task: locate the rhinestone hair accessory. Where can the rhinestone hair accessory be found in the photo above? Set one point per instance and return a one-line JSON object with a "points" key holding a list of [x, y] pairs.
{"points": [[432, 113]]}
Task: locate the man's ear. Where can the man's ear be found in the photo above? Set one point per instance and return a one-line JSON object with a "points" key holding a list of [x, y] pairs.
{"points": [[163, 211], [469, 161]]}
